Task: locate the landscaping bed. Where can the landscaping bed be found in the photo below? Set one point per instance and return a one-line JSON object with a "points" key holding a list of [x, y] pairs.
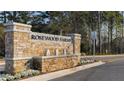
{"points": [[18, 76]]}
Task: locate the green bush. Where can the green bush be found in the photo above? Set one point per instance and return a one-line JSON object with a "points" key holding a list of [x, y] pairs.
{"points": [[7, 77], [30, 72], [17, 76], [35, 72], [86, 61], [24, 74]]}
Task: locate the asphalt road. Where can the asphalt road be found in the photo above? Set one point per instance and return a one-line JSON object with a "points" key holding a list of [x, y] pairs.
{"points": [[111, 71]]}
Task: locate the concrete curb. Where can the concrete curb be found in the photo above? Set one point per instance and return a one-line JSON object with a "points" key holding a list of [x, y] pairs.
{"points": [[101, 56], [57, 74]]}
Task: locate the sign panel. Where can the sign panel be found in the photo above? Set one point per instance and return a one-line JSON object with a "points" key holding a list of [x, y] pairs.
{"points": [[50, 37]]}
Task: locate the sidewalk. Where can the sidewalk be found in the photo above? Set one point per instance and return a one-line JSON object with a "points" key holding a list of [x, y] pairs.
{"points": [[53, 75]]}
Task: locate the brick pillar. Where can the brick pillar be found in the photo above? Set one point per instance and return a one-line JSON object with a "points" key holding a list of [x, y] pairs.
{"points": [[17, 46], [76, 40]]}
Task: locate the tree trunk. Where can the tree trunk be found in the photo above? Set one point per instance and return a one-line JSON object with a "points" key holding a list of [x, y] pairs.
{"points": [[99, 31]]}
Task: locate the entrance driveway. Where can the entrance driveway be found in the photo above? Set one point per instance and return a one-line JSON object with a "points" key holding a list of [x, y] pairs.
{"points": [[113, 71]]}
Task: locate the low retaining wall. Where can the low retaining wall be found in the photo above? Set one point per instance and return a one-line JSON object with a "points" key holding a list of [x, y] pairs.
{"points": [[54, 63]]}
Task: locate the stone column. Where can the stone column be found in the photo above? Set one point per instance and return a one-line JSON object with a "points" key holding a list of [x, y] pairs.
{"points": [[76, 40], [17, 47]]}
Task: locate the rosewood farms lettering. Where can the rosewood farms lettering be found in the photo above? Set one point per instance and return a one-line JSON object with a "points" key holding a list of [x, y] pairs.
{"points": [[51, 37]]}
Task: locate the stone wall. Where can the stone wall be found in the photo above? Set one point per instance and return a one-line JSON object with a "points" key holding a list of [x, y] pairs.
{"points": [[21, 44], [40, 47], [15, 66], [17, 47], [54, 63]]}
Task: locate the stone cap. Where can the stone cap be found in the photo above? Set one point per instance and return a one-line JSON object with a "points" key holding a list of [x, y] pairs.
{"points": [[59, 56], [13, 26]]}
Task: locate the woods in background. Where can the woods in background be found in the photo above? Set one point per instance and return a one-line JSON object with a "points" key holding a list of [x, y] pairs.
{"points": [[109, 26]]}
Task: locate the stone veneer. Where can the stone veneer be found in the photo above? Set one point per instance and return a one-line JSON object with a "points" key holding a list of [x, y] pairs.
{"points": [[20, 47], [48, 64], [40, 47], [54, 64]]}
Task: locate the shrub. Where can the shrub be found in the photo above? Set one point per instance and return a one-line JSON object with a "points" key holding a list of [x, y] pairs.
{"points": [[17, 76], [29, 72], [35, 72], [4, 79], [7, 77], [23, 74], [83, 61], [10, 78], [86, 61]]}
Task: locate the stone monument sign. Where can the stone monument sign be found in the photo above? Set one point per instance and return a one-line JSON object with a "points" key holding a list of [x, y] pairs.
{"points": [[54, 51]]}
